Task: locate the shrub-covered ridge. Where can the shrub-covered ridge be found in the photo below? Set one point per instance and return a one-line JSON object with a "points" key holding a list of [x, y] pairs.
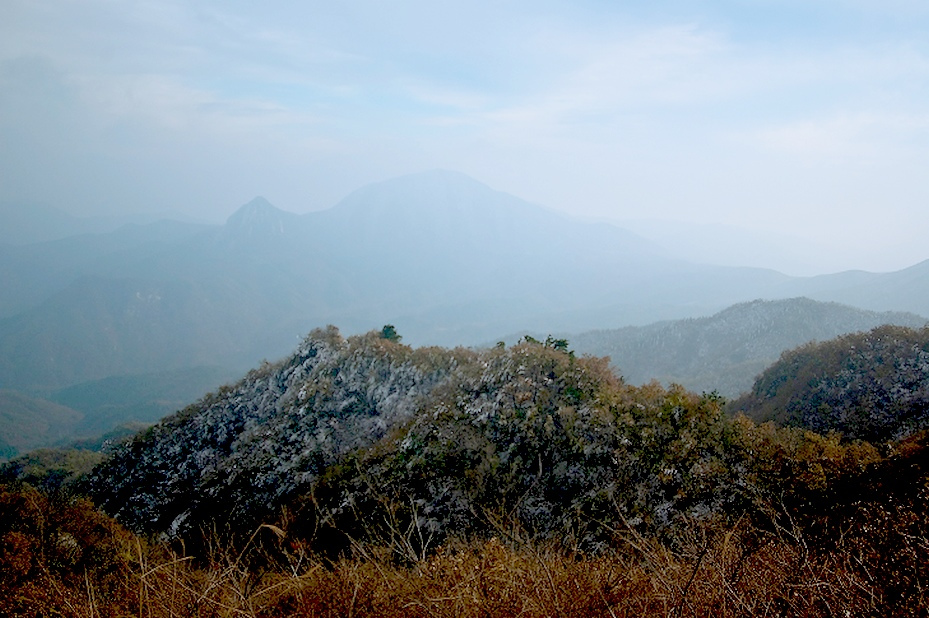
{"points": [[364, 439], [363, 477], [871, 386], [242, 449]]}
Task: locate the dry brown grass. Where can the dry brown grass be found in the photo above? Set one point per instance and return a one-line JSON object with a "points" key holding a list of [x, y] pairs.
{"points": [[722, 576], [69, 560]]}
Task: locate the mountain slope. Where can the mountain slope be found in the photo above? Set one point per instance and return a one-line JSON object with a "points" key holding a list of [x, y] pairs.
{"points": [[869, 386], [902, 290], [456, 439], [444, 212], [252, 443], [726, 351], [260, 222], [27, 422]]}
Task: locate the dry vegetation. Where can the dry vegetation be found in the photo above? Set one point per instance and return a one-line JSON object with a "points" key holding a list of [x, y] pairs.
{"points": [[60, 557], [533, 484]]}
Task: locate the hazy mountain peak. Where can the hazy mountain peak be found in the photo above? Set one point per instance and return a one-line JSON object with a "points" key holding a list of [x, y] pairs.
{"points": [[258, 207], [259, 218]]}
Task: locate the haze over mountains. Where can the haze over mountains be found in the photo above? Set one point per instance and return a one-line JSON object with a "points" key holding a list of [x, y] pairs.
{"points": [[444, 258], [32, 222]]}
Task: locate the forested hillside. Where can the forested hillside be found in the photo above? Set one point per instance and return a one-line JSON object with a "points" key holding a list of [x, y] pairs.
{"points": [[869, 386], [725, 352]]}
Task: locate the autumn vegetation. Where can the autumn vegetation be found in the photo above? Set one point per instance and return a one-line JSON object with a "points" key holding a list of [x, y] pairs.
{"points": [[525, 481]]}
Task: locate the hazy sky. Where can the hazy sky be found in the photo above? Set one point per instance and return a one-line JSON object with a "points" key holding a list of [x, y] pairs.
{"points": [[809, 117]]}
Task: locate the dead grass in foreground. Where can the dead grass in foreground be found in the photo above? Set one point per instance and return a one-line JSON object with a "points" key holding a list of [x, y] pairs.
{"points": [[71, 561], [720, 578]]}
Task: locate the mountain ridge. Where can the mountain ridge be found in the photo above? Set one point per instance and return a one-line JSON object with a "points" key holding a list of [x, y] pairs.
{"points": [[870, 385], [252, 296], [726, 351]]}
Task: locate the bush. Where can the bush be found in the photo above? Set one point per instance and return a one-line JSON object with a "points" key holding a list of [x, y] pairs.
{"points": [[59, 556]]}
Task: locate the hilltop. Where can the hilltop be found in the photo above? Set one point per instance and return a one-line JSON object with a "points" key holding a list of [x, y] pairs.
{"points": [[454, 439], [868, 386], [456, 431]]}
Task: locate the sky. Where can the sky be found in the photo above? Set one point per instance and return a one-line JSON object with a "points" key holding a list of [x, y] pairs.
{"points": [[804, 120]]}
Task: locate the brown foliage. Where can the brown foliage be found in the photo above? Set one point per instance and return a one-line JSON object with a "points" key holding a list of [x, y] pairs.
{"points": [[59, 556], [711, 568]]}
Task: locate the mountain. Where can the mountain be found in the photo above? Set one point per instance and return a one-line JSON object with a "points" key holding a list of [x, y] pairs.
{"points": [[728, 350], [478, 262], [444, 258], [346, 434], [902, 290], [363, 442], [260, 221], [869, 386], [443, 212], [28, 422]]}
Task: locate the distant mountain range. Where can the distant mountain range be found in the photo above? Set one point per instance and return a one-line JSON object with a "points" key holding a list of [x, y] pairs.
{"points": [[441, 256], [23, 223], [444, 258], [727, 351]]}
